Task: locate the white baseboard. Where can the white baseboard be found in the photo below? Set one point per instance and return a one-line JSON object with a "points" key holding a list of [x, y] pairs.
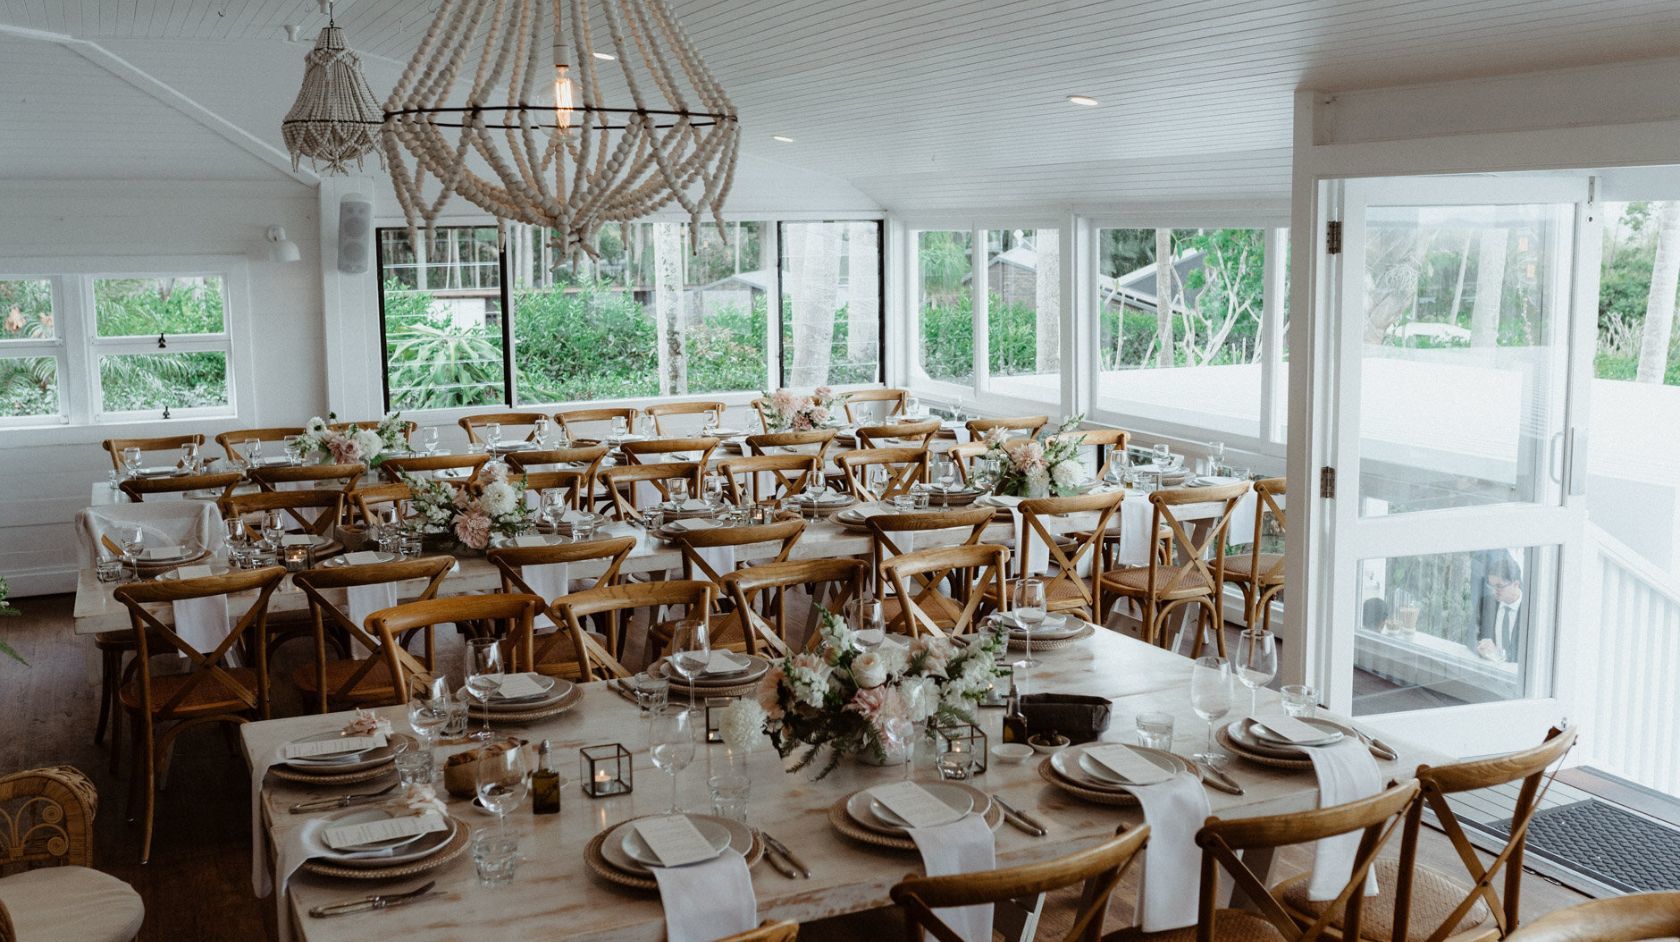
{"points": [[45, 581]]}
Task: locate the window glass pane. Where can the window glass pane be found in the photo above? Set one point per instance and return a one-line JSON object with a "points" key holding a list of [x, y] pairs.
{"points": [[1194, 357], [28, 386], [28, 310], [152, 381], [831, 303], [442, 318], [144, 307], [1023, 313], [946, 307], [1463, 356], [1445, 629]]}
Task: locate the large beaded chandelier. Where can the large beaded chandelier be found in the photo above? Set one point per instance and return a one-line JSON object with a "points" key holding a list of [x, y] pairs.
{"points": [[335, 119], [535, 139]]}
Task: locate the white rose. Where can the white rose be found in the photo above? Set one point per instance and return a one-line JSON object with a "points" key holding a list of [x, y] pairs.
{"points": [[921, 694], [499, 498], [316, 426], [368, 442], [869, 670], [1065, 474]]}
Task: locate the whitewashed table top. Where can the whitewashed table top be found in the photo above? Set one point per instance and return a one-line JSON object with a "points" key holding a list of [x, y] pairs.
{"points": [[556, 896]]}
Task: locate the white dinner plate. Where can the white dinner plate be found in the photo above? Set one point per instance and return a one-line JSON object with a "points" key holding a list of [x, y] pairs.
{"points": [[637, 849], [867, 810], [333, 758], [1332, 733], [757, 667], [1055, 626], [612, 846], [1103, 773], [426, 845], [366, 760], [1071, 766], [1242, 734]]}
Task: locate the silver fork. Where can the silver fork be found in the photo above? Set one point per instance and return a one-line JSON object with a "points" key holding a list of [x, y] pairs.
{"points": [[342, 801]]}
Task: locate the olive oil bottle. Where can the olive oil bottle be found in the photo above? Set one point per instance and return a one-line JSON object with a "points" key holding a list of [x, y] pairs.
{"points": [[545, 783]]}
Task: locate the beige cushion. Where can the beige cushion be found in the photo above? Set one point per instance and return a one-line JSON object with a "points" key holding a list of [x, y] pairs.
{"points": [[71, 904], [1434, 896]]}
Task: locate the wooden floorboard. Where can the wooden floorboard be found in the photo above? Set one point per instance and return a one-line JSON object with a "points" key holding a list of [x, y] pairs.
{"points": [[197, 886]]}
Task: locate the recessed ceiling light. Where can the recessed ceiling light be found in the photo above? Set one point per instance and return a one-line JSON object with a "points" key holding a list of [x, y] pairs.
{"points": [[1085, 100], [606, 56], [781, 137]]}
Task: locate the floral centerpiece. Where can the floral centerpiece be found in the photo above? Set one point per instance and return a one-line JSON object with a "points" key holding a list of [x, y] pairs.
{"points": [[348, 446], [786, 412], [866, 703], [1038, 467], [471, 519]]}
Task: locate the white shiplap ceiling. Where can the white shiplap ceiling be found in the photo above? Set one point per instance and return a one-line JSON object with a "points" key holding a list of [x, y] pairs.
{"points": [[945, 103]]}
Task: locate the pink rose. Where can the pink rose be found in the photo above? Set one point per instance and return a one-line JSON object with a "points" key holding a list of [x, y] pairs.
{"points": [[818, 415], [878, 704], [782, 401], [473, 529], [823, 394]]}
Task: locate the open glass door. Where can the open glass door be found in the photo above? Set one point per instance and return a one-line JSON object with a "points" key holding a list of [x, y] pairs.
{"points": [[1460, 395]]}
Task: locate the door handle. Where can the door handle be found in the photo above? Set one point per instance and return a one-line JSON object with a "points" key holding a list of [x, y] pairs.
{"points": [[1557, 456]]}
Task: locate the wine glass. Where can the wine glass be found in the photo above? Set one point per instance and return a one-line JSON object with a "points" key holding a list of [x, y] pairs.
{"points": [[714, 490], [539, 428], [620, 427], [672, 738], [1210, 697], [1256, 663], [427, 715], [866, 617], [253, 451], [294, 449], [429, 439], [944, 470], [131, 461], [691, 649], [678, 488], [273, 527], [189, 456], [1029, 612], [1163, 455], [484, 674], [132, 540], [493, 435], [503, 780]]}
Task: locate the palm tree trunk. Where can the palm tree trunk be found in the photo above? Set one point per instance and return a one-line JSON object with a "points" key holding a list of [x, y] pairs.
{"points": [[1046, 242], [863, 297], [1659, 305], [668, 307], [1163, 297], [1490, 287]]}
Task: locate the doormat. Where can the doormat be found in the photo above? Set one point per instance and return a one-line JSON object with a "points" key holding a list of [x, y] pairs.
{"points": [[1617, 848]]}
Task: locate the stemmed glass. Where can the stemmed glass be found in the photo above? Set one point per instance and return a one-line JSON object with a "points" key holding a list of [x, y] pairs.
{"points": [[238, 539], [620, 427], [294, 449], [189, 456], [503, 780], [678, 489], [714, 490], [132, 540], [273, 528], [493, 435], [1163, 455], [253, 452], [1256, 664], [691, 648], [540, 429], [672, 737], [427, 714], [484, 674], [131, 461], [867, 619], [429, 439], [944, 470], [1210, 697], [1029, 611]]}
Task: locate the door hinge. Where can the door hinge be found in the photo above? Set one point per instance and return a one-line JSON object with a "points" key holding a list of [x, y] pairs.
{"points": [[1327, 482], [1333, 237]]}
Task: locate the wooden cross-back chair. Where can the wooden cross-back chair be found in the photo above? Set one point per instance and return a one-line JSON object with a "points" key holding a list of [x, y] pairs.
{"points": [[511, 422], [882, 404], [1433, 906], [138, 489], [1259, 575], [341, 477], [1110, 445], [728, 631], [620, 483], [378, 676], [894, 534], [1190, 575], [114, 446], [408, 427], [697, 449], [1632, 918], [365, 501], [206, 692], [905, 468], [1098, 869], [767, 479], [617, 605], [912, 434], [760, 595], [508, 618], [556, 652], [424, 466], [231, 442], [571, 419], [1375, 819], [315, 512], [815, 442], [1065, 590], [1026, 425], [975, 572], [782, 930], [664, 410], [582, 464], [573, 486]]}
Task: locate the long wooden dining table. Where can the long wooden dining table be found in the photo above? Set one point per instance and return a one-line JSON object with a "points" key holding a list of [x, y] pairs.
{"points": [[556, 896]]}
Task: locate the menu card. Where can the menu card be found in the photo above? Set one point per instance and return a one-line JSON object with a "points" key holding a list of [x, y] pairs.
{"points": [[388, 829], [1292, 729], [1127, 764], [194, 572], [693, 524], [514, 686], [573, 515], [675, 840], [914, 804], [331, 747], [164, 552], [361, 558], [297, 539], [530, 539], [694, 504], [724, 662]]}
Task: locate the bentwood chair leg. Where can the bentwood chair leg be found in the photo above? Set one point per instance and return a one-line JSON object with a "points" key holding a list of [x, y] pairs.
{"points": [[150, 799], [110, 662]]}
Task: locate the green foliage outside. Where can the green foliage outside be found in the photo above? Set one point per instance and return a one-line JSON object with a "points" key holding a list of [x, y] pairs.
{"points": [[1630, 249]]}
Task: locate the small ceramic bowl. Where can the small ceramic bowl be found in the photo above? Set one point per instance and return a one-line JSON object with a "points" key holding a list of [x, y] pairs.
{"points": [[1044, 746], [1013, 752]]}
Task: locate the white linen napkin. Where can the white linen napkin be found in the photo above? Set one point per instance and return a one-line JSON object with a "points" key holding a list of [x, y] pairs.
{"points": [[1346, 772], [1032, 556], [707, 901], [966, 845], [720, 558], [202, 623], [363, 600], [1174, 810], [1136, 520], [549, 580]]}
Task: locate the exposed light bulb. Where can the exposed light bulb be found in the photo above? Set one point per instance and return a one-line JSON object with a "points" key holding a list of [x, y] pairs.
{"points": [[564, 100], [605, 56], [782, 138], [1085, 100]]}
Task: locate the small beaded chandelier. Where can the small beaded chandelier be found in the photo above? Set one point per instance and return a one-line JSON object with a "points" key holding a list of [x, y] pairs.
{"points": [[536, 141], [335, 119]]}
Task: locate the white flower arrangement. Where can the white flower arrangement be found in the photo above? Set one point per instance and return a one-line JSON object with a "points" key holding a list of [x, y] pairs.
{"points": [[369, 446], [498, 508], [1037, 467]]}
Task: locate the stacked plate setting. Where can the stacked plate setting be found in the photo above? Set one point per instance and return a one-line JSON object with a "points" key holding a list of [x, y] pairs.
{"points": [[624, 850], [1073, 767], [387, 859], [1054, 627], [869, 813], [331, 767], [824, 500], [748, 669], [555, 690], [1251, 739]]}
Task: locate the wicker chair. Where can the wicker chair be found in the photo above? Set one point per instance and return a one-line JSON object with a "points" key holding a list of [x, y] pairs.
{"points": [[49, 889]]}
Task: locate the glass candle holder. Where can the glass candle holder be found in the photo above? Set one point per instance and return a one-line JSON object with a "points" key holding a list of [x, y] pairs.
{"points": [[606, 770], [957, 731], [715, 707], [297, 557]]}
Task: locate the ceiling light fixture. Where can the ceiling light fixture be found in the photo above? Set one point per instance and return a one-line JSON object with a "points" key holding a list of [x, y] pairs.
{"points": [[1085, 100], [567, 160], [606, 57], [335, 119], [781, 137]]}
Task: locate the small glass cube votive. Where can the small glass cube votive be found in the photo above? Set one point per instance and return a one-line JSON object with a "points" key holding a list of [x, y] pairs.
{"points": [[108, 569], [606, 770]]}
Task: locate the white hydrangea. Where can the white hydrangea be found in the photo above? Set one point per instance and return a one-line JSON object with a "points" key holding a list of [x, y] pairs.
{"points": [[1065, 474], [499, 497], [921, 695], [368, 443], [743, 724]]}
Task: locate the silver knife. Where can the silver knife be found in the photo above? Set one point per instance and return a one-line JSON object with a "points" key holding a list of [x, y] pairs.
{"points": [[782, 849], [1032, 825], [1218, 779], [776, 861], [370, 903], [342, 801], [1383, 750]]}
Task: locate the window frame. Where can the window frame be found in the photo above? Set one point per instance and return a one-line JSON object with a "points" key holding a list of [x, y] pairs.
{"points": [[55, 347], [98, 347]]}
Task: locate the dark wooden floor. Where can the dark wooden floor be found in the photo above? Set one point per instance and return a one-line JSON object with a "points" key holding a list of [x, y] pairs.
{"points": [[197, 885]]}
